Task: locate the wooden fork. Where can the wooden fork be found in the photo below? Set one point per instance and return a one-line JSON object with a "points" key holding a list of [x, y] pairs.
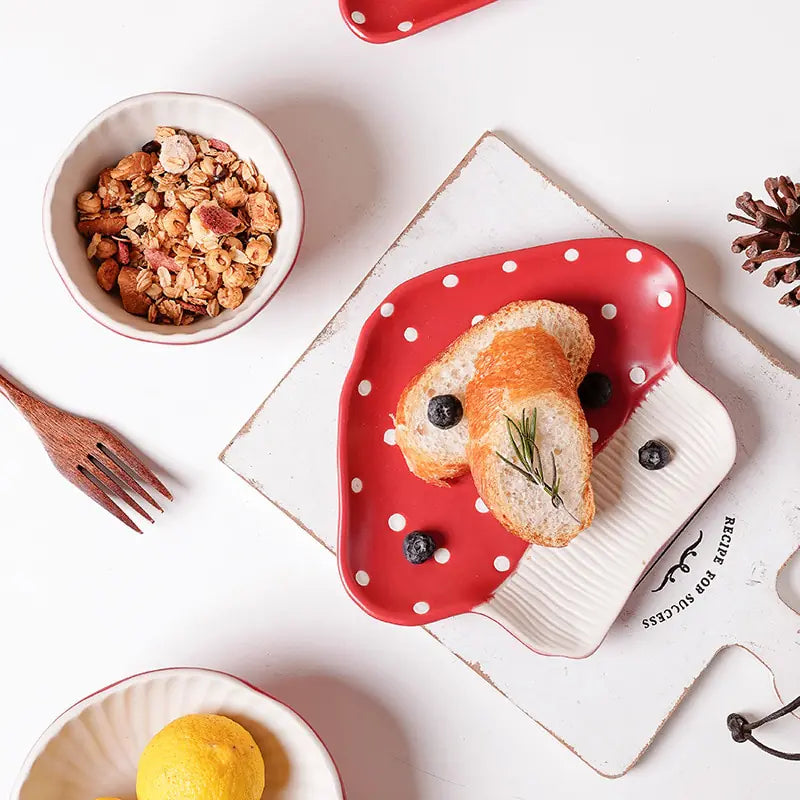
{"points": [[88, 455]]}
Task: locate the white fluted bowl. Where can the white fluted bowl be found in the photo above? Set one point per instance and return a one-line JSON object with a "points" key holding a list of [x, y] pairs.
{"points": [[122, 129], [93, 748]]}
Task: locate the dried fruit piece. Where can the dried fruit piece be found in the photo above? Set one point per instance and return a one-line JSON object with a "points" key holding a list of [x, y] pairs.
{"points": [[205, 238], [107, 274], [217, 219], [123, 253], [133, 302], [219, 145], [156, 259]]}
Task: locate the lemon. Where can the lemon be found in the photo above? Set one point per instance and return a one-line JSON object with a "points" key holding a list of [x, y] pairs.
{"points": [[201, 757]]}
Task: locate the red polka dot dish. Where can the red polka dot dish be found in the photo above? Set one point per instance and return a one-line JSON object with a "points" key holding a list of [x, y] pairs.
{"points": [[557, 601], [379, 22]]}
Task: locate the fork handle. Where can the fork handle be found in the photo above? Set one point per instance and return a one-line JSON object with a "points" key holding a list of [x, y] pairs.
{"points": [[25, 402]]}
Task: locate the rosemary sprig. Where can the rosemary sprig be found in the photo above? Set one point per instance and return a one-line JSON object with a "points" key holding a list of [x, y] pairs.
{"points": [[522, 435]]}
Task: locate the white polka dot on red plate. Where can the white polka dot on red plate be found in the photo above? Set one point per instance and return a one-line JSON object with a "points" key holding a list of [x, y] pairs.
{"points": [[477, 318], [481, 507], [358, 17], [572, 254], [362, 578], [509, 266], [664, 299], [405, 27], [410, 334], [356, 485], [364, 388], [637, 375], [593, 435], [502, 564], [449, 281], [441, 556], [397, 522], [609, 311], [421, 607], [390, 437], [387, 309], [634, 255]]}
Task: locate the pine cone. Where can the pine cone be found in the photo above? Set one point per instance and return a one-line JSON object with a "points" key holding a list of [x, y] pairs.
{"points": [[779, 235]]}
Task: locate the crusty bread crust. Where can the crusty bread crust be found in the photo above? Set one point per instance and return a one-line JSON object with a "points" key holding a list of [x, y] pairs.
{"points": [[422, 464], [527, 369], [415, 438]]}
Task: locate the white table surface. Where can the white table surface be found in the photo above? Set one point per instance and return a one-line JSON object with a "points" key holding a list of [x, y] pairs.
{"points": [[646, 113]]}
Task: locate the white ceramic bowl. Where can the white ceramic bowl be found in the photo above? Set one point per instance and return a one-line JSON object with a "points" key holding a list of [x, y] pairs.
{"points": [[93, 748], [122, 129]]}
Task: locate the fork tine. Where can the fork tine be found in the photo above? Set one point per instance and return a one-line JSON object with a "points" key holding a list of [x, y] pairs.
{"points": [[111, 486], [120, 453], [87, 485], [116, 473]]}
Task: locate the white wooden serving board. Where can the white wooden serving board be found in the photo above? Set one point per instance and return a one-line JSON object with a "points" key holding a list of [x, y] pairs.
{"points": [[723, 590]]}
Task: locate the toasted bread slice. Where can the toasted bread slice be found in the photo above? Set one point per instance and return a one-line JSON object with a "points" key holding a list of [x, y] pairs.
{"points": [[524, 375], [438, 455]]}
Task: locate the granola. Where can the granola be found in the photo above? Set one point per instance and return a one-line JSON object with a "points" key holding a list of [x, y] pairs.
{"points": [[182, 228]]}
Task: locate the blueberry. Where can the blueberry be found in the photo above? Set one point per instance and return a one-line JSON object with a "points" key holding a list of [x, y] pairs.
{"points": [[595, 390], [445, 411], [418, 547], [654, 455], [151, 147]]}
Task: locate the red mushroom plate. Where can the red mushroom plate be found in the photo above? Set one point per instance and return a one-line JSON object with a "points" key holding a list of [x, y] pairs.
{"points": [[379, 22], [557, 601]]}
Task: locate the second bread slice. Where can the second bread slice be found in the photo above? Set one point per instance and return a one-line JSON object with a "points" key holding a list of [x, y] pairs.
{"points": [[523, 384]]}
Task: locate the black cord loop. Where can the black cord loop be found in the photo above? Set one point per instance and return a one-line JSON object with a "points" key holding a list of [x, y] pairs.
{"points": [[741, 729]]}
